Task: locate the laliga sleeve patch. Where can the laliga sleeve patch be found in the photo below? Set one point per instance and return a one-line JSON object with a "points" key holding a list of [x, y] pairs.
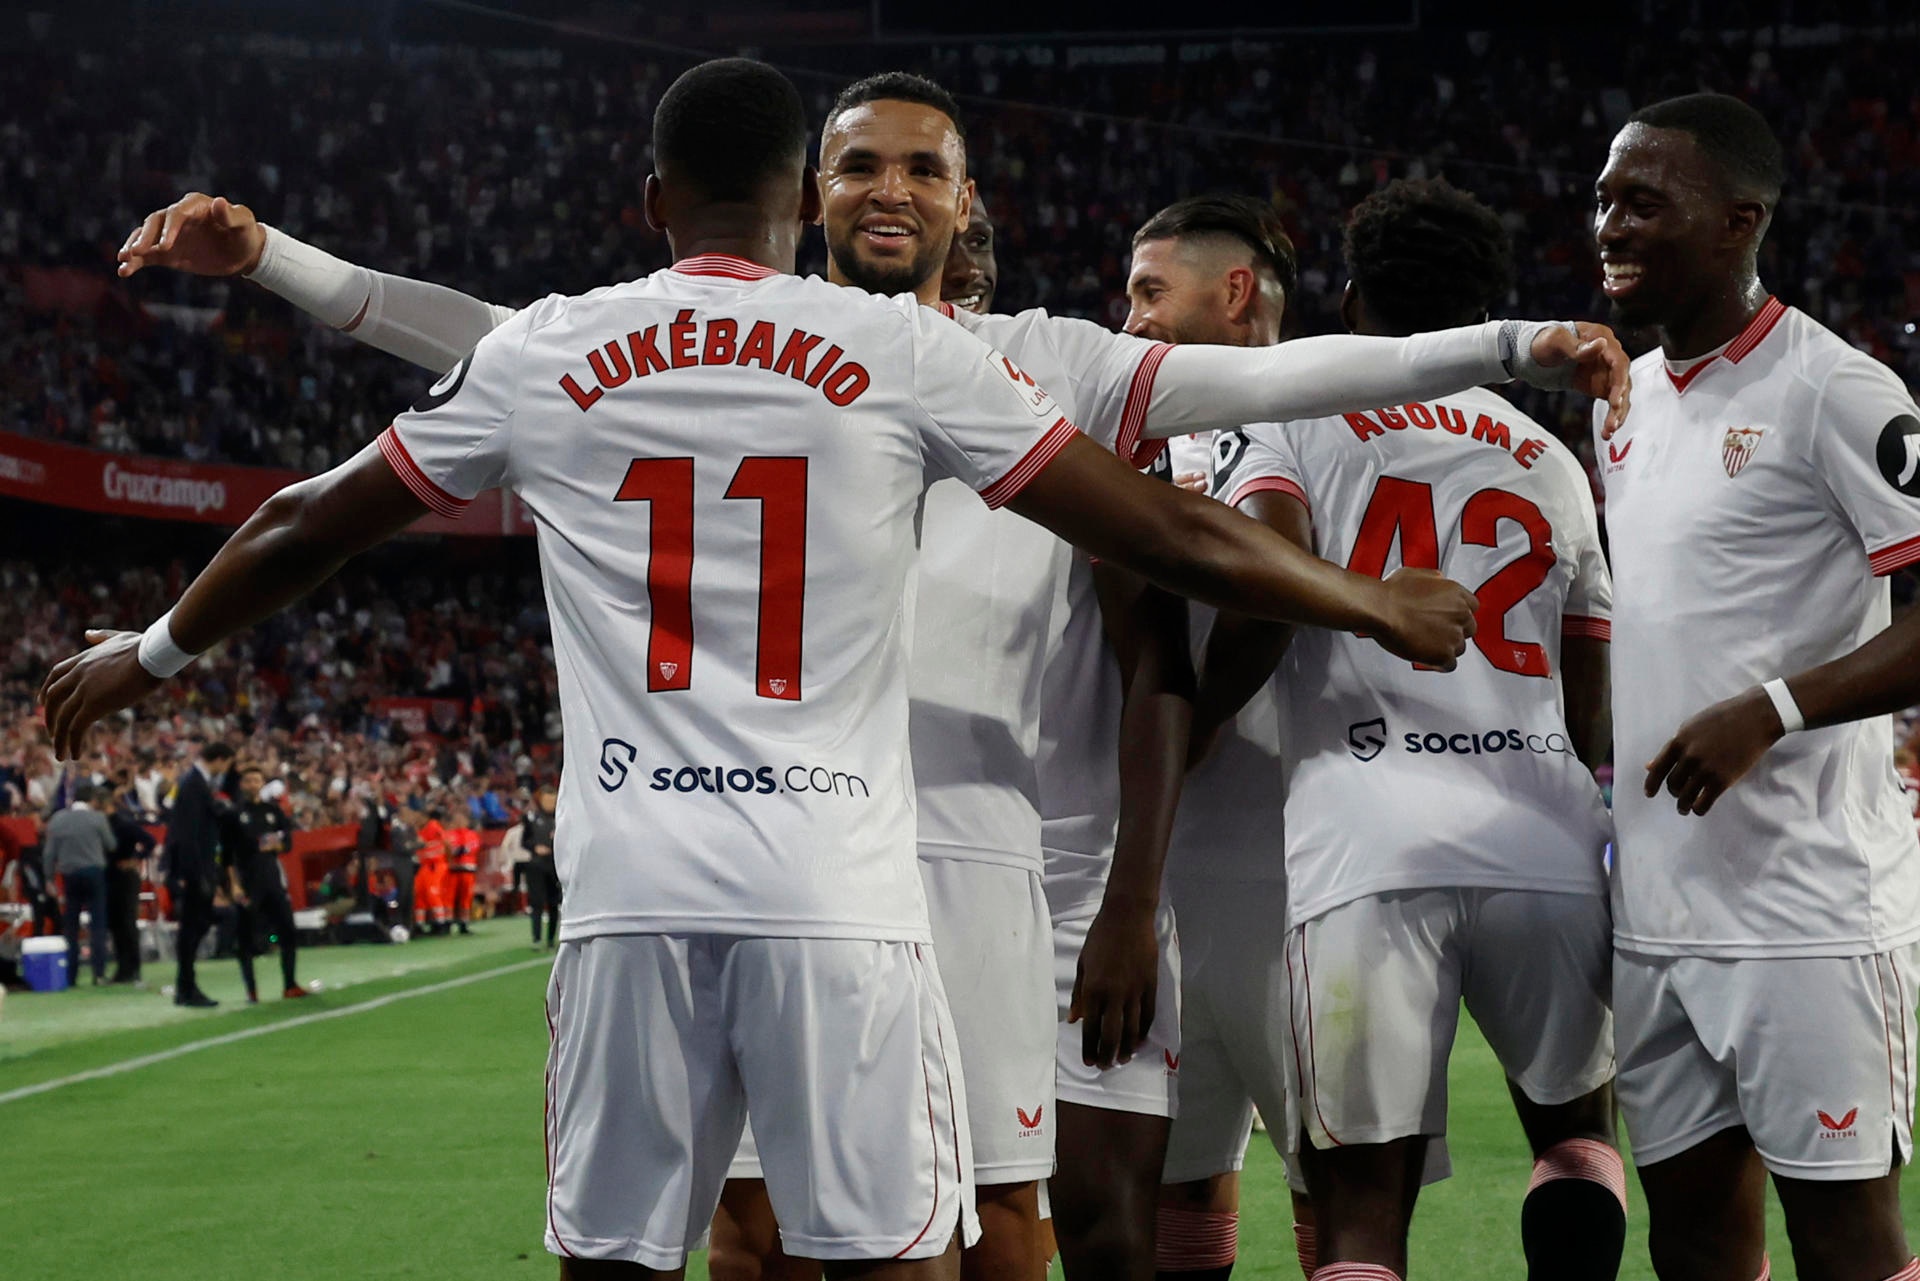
{"points": [[445, 387], [1899, 454], [1032, 395]]}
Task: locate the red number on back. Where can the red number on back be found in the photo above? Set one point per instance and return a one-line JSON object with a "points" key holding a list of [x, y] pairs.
{"points": [[780, 485], [1404, 509]]}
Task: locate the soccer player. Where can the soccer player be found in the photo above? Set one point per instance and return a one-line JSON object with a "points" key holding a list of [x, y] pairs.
{"points": [[1765, 909], [430, 875], [724, 464], [973, 270], [1444, 836], [894, 178], [463, 867]]}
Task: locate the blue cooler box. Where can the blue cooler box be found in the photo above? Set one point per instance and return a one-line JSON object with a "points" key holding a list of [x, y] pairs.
{"points": [[45, 963]]}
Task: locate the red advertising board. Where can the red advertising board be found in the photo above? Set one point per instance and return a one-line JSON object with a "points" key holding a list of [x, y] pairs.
{"points": [[44, 471]]}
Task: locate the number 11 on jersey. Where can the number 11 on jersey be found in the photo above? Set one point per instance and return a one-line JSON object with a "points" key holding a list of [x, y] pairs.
{"points": [[780, 487]]}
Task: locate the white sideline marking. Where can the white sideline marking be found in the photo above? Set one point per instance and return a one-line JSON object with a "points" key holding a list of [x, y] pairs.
{"points": [[228, 1038]]}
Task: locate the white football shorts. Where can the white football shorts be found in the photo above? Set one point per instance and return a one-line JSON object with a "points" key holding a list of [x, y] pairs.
{"points": [[1814, 1055], [991, 931], [1147, 1083], [1376, 987], [843, 1051]]}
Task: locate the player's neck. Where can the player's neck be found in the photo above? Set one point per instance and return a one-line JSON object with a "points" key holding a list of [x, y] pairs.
{"points": [[1717, 321], [765, 242]]}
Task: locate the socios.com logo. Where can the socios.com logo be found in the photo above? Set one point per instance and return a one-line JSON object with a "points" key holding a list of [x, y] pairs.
{"points": [[1367, 739], [617, 757]]}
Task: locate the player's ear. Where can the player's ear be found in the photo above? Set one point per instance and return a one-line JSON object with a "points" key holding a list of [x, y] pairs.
{"points": [[964, 210], [1243, 294], [1745, 220], [812, 204], [650, 202], [1350, 308]]}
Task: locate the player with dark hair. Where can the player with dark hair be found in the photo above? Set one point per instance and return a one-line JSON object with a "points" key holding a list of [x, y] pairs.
{"points": [[895, 188], [257, 833], [972, 270], [766, 945], [1767, 909], [1424, 254]]}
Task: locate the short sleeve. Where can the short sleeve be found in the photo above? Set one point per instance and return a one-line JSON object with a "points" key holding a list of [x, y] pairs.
{"points": [[1256, 459], [988, 423], [453, 442], [1589, 606], [1866, 448], [1112, 376]]}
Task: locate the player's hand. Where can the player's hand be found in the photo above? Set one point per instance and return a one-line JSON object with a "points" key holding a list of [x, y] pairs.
{"points": [[100, 680], [202, 234], [1429, 618], [1600, 366], [1116, 983], [1191, 481], [1714, 750]]}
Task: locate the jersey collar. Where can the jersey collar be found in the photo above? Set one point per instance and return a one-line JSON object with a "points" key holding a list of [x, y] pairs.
{"points": [[1736, 351], [722, 265]]}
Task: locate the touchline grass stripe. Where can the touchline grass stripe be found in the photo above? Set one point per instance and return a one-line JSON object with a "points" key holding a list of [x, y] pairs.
{"points": [[228, 1038]]}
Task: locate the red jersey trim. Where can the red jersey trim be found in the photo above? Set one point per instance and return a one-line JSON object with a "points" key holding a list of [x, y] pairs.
{"points": [[437, 499], [1894, 557], [1133, 418], [946, 309], [1582, 625], [1740, 348], [1001, 491], [1269, 485], [722, 265]]}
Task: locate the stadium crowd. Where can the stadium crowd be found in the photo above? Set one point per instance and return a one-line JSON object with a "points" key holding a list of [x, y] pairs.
{"points": [[539, 191]]}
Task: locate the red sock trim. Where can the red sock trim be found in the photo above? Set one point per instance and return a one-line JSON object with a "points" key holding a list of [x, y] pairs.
{"points": [[1909, 1273], [1195, 1240], [1356, 1272], [1306, 1244], [1587, 1159]]}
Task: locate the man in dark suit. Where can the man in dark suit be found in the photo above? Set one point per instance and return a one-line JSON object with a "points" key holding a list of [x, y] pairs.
{"points": [[132, 849], [191, 855]]}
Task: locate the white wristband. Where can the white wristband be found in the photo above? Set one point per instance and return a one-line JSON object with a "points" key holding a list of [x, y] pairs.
{"points": [[159, 653], [1789, 711]]}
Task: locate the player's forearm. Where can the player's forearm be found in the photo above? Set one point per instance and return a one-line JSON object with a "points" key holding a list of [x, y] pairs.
{"points": [[1148, 630], [293, 543], [1204, 388], [1877, 679], [429, 325], [1586, 686]]}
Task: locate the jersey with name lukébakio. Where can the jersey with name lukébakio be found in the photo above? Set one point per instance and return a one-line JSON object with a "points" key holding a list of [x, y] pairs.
{"points": [[1397, 778], [1756, 500], [989, 597], [1232, 816], [724, 467]]}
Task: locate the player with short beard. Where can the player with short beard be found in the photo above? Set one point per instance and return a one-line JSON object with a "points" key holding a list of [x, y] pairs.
{"points": [[895, 188]]}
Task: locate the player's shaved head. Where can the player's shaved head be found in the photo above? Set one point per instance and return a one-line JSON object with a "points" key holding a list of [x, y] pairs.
{"points": [[728, 128], [1734, 138], [1422, 254]]}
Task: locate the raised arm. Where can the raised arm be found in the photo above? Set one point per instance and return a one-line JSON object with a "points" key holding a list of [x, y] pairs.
{"points": [[1202, 549], [428, 325], [1203, 388]]}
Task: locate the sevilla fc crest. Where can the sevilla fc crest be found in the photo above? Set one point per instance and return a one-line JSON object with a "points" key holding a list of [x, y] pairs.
{"points": [[1737, 449]]}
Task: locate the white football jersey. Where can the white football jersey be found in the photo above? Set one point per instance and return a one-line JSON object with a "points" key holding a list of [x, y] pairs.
{"points": [[990, 610], [725, 466], [1398, 778], [1755, 502], [1232, 813]]}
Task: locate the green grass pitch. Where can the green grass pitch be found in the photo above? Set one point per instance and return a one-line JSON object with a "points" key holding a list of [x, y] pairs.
{"points": [[403, 1140]]}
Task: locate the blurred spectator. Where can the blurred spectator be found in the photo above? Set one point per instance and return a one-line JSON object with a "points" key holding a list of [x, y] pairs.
{"points": [[133, 845], [543, 881]]}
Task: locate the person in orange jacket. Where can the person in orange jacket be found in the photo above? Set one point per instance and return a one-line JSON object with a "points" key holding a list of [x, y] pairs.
{"points": [[463, 857], [430, 875]]}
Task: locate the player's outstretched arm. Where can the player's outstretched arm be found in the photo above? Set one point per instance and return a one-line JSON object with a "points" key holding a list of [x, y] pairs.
{"points": [[1203, 388], [1205, 550], [429, 325], [1712, 751], [291, 545], [1115, 985]]}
